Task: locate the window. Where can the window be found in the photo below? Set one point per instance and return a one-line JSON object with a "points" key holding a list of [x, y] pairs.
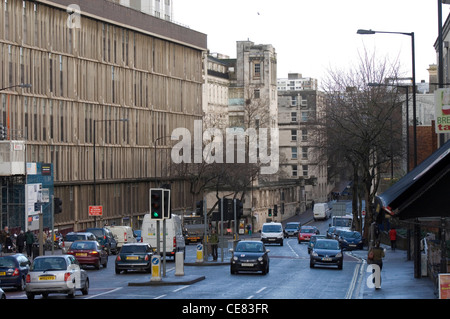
{"points": [[294, 171], [304, 135], [305, 170], [294, 152], [257, 94], [293, 135], [304, 116], [257, 70], [294, 100], [293, 116], [304, 152]]}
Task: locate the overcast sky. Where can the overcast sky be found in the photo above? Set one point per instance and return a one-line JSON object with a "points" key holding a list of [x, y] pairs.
{"points": [[313, 36]]}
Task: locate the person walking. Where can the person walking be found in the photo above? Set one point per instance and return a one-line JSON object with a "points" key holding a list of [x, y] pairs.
{"points": [[375, 256], [29, 240], [20, 242], [3, 236], [393, 238], [214, 240]]}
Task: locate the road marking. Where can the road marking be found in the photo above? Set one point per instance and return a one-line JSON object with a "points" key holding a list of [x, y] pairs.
{"points": [[261, 290], [103, 293], [181, 288], [159, 297], [292, 249], [357, 275]]}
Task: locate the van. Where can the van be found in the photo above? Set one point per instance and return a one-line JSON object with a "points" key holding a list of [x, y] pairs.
{"points": [[174, 235], [272, 233], [122, 235], [321, 211]]}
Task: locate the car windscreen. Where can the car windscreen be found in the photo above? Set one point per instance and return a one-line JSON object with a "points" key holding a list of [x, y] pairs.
{"points": [[307, 230], [89, 245], [272, 229], [325, 244], [134, 249], [7, 262], [49, 263], [291, 226], [74, 237], [352, 234], [97, 232], [249, 247]]}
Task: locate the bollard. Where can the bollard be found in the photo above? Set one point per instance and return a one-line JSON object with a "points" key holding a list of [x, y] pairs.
{"points": [[179, 264], [156, 268], [199, 253]]}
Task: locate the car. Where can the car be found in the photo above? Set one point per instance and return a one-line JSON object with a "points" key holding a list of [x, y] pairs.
{"points": [[336, 233], [137, 235], [134, 256], [272, 233], [249, 255], [330, 232], [350, 240], [89, 252], [73, 236], [2, 294], [326, 252], [59, 274], [291, 229], [122, 235], [13, 271], [312, 241], [306, 232], [105, 238]]}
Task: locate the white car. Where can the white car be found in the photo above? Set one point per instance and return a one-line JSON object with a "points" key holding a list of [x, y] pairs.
{"points": [[272, 233], [56, 274]]}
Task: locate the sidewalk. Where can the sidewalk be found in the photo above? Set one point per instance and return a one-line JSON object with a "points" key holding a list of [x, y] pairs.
{"points": [[397, 278]]}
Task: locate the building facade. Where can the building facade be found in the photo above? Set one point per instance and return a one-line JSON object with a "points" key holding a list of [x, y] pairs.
{"points": [[103, 77]]}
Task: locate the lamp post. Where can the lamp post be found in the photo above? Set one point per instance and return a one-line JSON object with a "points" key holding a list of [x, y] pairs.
{"points": [[94, 161], [411, 34]]}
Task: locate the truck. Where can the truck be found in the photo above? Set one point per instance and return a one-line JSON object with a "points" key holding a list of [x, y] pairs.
{"points": [[342, 222], [193, 229]]}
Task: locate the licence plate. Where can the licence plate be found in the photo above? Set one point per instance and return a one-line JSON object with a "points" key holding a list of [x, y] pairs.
{"points": [[132, 257], [82, 254], [2, 273], [247, 265], [47, 278], [352, 245], [326, 259], [271, 239]]}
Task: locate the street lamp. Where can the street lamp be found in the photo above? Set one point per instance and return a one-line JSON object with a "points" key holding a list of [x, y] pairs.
{"points": [[94, 162], [411, 34]]}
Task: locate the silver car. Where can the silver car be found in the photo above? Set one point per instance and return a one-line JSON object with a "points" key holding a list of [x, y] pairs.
{"points": [[56, 274], [73, 236]]}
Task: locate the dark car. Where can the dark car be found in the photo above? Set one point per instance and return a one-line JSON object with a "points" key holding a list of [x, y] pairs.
{"points": [[291, 229], [89, 252], [250, 256], [105, 238], [350, 240], [326, 252], [134, 256], [313, 240], [14, 270], [330, 232]]}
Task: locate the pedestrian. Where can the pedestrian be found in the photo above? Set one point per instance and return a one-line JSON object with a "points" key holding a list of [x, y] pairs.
{"points": [[249, 229], [20, 242], [375, 256], [29, 240], [393, 238], [3, 235], [214, 240], [8, 242]]}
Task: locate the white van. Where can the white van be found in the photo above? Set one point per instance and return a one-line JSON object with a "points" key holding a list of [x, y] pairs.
{"points": [[272, 233], [174, 235], [122, 235], [321, 211]]}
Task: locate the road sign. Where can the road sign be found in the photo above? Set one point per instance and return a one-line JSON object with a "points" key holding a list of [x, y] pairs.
{"points": [[95, 210]]}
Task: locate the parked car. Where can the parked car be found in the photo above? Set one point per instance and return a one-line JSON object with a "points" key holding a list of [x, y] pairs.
{"points": [[73, 236], [350, 240], [272, 233], [134, 256], [250, 256], [14, 270], [105, 238], [312, 241], [326, 252], [56, 274], [291, 229], [2, 294], [88, 252], [306, 232]]}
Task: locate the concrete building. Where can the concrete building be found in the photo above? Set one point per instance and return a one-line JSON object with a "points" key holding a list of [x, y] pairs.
{"points": [[162, 9], [91, 65]]}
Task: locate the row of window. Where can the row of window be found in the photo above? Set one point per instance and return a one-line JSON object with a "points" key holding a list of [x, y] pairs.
{"points": [[304, 135], [295, 171]]}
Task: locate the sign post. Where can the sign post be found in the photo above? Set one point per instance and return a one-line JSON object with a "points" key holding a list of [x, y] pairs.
{"points": [[156, 268]]}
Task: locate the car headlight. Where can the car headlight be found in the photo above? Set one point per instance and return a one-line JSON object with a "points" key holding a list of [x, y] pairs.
{"points": [[339, 255], [235, 258], [314, 254], [260, 259]]}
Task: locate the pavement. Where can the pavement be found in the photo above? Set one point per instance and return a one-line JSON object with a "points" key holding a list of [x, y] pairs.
{"points": [[397, 278]]}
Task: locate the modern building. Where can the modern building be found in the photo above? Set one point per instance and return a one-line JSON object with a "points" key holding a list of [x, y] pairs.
{"points": [[106, 78], [158, 8]]}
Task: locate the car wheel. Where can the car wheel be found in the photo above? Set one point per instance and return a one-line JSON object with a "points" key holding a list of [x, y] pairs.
{"points": [[117, 271], [311, 264], [22, 285], [105, 264], [85, 289], [71, 294], [30, 296], [97, 265], [340, 266]]}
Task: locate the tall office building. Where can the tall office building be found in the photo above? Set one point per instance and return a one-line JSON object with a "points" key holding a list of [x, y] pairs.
{"points": [[158, 8]]}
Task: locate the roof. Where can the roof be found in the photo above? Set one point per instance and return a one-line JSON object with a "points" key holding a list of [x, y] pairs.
{"points": [[423, 192]]}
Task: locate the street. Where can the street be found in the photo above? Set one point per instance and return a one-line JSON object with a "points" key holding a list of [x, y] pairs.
{"points": [[290, 277]]}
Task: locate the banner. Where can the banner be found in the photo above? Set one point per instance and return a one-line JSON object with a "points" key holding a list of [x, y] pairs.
{"points": [[442, 110]]}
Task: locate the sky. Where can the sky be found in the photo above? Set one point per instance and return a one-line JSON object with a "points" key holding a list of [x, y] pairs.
{"points": [[313, 37]]}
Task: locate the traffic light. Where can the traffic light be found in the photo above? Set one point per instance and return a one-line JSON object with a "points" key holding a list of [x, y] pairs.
{"points": [[156, 204], [57, 205], [199, 209], [270, 212], [239, 208], [167, 212], [275, 210], [2, 132]]}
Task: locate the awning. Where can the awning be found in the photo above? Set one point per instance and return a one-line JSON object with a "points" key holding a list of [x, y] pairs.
{"points": [[423, 192]]}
